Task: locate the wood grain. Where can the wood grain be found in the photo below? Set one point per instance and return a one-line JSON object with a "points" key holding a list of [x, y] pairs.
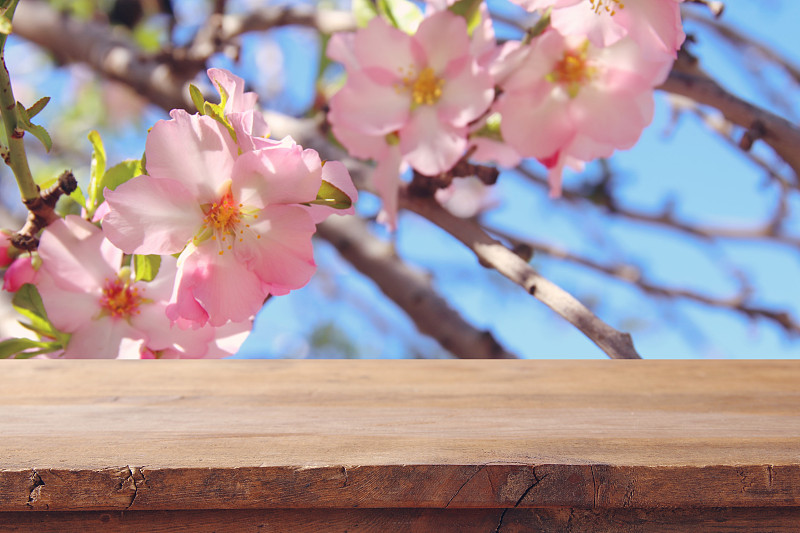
{"points": [[589, 436]]}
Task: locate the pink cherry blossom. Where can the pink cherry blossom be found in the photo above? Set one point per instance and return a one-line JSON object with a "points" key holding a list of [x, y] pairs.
{"points": [[467, 197], [570, 101], [426, 88], [385, 177], [654, 24], [237, 220], [240, 107], [253, 134], [87, 294], [20, 272]]}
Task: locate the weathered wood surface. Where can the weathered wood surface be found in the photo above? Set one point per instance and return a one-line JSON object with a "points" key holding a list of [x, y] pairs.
{"points": [[588, 438]]}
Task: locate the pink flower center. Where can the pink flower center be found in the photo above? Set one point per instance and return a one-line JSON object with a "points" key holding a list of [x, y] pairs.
{"points": [[425, 88], [224, 215], [226, 222], [120, 299], [607, 6], [573, 70]]}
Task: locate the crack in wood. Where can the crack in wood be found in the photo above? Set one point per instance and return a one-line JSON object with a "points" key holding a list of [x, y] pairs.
{"points": [[131, 479], [36, 488], [480, 468], [536, 481]]}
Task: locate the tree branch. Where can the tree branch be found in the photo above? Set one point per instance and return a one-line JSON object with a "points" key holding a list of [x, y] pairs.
{"points": [[493, 254], [631, 274], [410, 289], [779, 133], [666, 218]]}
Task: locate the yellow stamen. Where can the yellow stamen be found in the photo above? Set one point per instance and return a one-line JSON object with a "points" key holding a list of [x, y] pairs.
{"points": [[119, 299], [573, 70], [608, 6], [425, 88]]}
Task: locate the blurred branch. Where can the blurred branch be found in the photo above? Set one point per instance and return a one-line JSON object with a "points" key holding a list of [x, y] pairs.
{"points": [[716, 123], [603, 197], [220, 30], [324, 20], [744, 42], [633, 275], [779, 133], [410, 289], [492, 254], [111, 55]]}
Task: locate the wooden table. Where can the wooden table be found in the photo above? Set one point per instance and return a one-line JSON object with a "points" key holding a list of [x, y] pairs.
{"points": [[399, 446]]}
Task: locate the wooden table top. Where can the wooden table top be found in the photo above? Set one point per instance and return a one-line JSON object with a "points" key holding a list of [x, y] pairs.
{"points": [[83, 435]]}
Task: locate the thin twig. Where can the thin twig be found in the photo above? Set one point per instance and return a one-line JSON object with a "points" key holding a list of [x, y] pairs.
{"points": [[779, 133], [493, 254], [633, 275], [666, 218], [410, 289]]}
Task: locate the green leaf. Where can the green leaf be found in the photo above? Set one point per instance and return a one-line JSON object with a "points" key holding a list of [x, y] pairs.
{"points": [[28, 302], [402, 14], [146, 267], [332, 196], [470, 10], [37, 107], [24, 122], [223, 97], [98, 170], [79, 198], [5, 25], [12, 347], [538, 28], [197, 97], [117, 175], [215, 111], [491, 128], [364, 11]]}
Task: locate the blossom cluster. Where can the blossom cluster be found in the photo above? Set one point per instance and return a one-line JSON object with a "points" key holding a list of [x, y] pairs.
{"points": [[175, 255], [177, 261], [432, 91]]}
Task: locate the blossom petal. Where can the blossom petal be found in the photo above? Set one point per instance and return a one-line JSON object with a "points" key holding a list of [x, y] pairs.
{"points": [[238, 100], [386, 179], [99, 339], [612, 118], [466, 96], [341, 48], [443, 36], [194, 150], [280, 175], [380, 45], [384, 111], [218, 286], [69, 251], [535, 131], [430, 146], [152, 216], [285, 256], [68, 308]]}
